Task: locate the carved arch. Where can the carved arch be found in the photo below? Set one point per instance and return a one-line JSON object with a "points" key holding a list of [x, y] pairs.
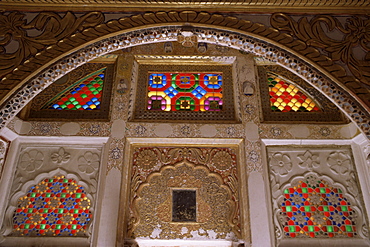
{"points": [[279, 195], [152, 207], [13, 202], [52, 62]]}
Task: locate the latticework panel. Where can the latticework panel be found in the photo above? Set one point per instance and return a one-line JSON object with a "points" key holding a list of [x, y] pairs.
{"points": [[85, 94], [56, 206], [185, 91], [287, 97]]}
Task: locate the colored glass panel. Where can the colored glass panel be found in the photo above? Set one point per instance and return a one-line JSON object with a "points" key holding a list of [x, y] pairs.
{"points": [[185, 91], [85, 94], [286, 97], [56, 206], [315, 209]]}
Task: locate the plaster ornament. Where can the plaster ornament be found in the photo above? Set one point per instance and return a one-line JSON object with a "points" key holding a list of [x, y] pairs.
{"points": [[202, 47], [280, 163], [248, 88], [31, 161], [339, 162], [187, 38], [309, 160], [89, 163], [168, 47], [122, 86], [60, 157]]}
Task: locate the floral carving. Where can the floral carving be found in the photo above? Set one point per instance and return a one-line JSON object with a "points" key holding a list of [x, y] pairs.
{"points": [[147, 159], [309, 160], [53, 27], [140, 130], [185, 130], [231, 131], [324, 131], [61, 156], [222, 160], [280, 163], [339, 162], [356, 33], [253, 156], [31, 161], [115, 153], [89, 163], [275, 131]]}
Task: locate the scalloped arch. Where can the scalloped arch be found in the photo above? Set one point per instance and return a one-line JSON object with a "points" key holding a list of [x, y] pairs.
{"points": [[8, 223], [35, 74], [294, 181]]}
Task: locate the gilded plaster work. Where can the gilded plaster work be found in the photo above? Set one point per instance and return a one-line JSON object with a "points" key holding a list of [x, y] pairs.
{"points": [[211, 172], [355, 34], [304, 3], [239, 41], [307, 170], [39, 162]]}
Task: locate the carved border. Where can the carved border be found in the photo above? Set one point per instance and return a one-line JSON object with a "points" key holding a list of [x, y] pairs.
{"points": [[228, 31]]}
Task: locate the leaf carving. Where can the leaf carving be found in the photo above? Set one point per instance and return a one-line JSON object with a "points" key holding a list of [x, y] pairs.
{"points": [[52, 26]]}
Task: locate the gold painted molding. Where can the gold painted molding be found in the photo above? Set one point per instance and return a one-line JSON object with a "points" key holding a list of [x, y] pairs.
{"points": [[62, 35], [266, 6]]}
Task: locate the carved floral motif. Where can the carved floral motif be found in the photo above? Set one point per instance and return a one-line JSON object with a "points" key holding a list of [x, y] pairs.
{"points": [[89, 163], [52, 27], [280, 163], [222, 160], [339, 162], [147, 159], [309, 160], [61, 156], [356, 33], [31, 161]]}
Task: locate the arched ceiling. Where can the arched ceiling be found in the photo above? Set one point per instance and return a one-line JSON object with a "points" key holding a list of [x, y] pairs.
{"points": [[59, 43]]}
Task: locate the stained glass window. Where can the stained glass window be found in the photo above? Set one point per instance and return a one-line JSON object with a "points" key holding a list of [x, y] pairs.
{"points": [[185, 91], [315, 209], [85, 94], [56, 206], [286, 97]]}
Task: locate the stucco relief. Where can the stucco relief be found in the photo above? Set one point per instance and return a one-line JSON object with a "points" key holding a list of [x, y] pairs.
{"points": [[315, 193], [40, 163], [211, 172]]}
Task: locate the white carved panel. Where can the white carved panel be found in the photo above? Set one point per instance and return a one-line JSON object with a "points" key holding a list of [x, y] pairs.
{"points": [[37, 162], [315, 193]]}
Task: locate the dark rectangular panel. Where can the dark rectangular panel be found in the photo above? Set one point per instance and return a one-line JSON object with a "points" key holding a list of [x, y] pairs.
{"points": [[184, 206]]}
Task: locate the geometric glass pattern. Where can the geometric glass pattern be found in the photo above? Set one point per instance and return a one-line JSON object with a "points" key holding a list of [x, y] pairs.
{"points": [[315, 209], [56, 206], [85, 94], [286, 97], [185, 91]]}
